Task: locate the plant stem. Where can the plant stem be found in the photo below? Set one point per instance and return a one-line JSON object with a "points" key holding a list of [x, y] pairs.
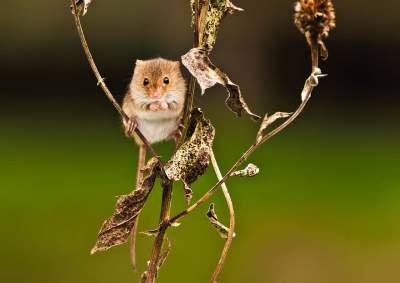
{"points": [[167, 193], [158, 242], [187, 109], [231, 232]]}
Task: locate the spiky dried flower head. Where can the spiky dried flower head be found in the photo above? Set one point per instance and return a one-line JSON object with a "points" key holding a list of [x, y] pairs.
{"points": [[315, 19]]}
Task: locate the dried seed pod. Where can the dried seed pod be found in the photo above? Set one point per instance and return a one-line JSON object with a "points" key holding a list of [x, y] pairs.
{"points": [[315, 16], [315, 19]]}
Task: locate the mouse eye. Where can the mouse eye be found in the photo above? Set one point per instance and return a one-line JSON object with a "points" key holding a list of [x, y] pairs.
{"points": [[146, 82], [166, 80]]}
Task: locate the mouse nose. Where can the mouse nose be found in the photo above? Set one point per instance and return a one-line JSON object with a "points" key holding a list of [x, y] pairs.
{"points": [[156, 94]]}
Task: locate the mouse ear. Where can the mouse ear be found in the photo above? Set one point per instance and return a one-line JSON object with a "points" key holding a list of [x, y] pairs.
{"points": [[138, 62], [177, 64]]}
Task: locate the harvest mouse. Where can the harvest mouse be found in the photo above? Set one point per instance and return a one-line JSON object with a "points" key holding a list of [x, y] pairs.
{"points": [[155, 99]]}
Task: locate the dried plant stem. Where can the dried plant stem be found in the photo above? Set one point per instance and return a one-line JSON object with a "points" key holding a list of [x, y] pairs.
{"points": [[307, 90], [139, 179], [198, 35], [158, 242], [187, 109], [231, 232], [100, 79]]}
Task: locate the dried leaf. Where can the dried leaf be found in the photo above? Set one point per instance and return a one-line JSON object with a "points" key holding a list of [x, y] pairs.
{"points": [[175, 224], [192, 158], [211, 20], [207, 75], [116, 230], [150, 233], [268, 120], [312, 82], [143, 278], [188, 192], [250, 171], [221, 229], [82, 6]]}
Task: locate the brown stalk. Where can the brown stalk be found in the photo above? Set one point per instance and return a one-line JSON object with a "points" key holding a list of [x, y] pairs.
{"points": [[158, 242], [308, 88], [231, 232], [197, 41], [167, 193]]}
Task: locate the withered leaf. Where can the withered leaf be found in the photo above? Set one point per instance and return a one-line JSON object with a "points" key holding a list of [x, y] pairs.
{"points": [[250, 171], [207, 75], [311, 82], [211, 20], [150, 233], [192, 158], [222, 230], [268, 120], [116, 230], [188, 192], [82, 6]]}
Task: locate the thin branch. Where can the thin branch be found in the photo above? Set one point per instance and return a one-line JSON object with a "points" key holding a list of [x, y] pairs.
{"points": [[100, 79], [309, 86], [187, 109], [199, 23], [158, 242], [231, 232]]}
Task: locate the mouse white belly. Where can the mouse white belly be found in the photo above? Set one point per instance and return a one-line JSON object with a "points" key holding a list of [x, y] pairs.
{"points": [[157, 126]]}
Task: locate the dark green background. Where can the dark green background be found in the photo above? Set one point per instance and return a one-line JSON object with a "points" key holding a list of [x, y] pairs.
{"points": [[325, 207]]}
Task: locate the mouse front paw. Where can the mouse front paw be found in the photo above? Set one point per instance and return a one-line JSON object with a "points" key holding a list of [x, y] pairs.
{"points": [[130, 125], [177, 134]]}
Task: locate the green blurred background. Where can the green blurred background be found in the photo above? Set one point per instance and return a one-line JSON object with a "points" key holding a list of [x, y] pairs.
{"points": [[325, 208]]}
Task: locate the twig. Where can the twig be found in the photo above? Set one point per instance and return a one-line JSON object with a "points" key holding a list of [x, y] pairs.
{"points": [[187, 109], [231, 232], [139, 179], [158, 242], [197, 41], [100, 79], [307, 90], [167, 193]]}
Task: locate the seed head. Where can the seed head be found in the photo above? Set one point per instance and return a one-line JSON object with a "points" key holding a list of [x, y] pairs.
{"points": [[315, 17]]}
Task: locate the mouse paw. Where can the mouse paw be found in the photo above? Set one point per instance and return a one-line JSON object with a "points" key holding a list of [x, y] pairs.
{"points": [[130, 126], [177, 134]]}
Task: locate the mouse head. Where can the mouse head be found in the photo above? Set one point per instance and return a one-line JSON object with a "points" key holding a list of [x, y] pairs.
{"points": [[158, 78]]}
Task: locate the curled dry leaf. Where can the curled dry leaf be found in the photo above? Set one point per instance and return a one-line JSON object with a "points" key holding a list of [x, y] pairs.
{"points": [[150, 233], [222, 230], [116, 230], [188, 192], [210, 19], [268, 120], [82, 6], [192, 158], [311, 82], [207, 75], [250, 171]]}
